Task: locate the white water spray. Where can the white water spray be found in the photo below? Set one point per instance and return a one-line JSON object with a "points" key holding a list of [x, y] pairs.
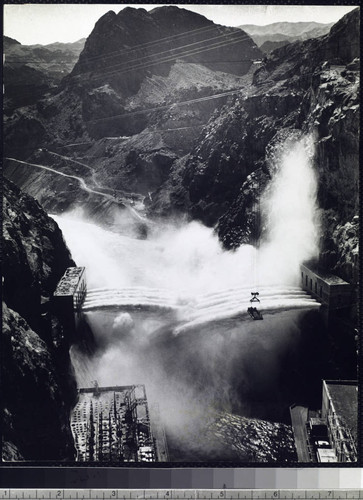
{"points": [[290, 212], [170, 311], [177, 266]]}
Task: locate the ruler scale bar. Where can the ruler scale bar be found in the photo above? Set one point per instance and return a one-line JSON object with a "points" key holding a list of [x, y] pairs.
{"points": [[177, 494]]}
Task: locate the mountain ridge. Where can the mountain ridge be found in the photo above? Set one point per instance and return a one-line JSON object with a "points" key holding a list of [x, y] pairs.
{"points": [[288, 32], [32, 71], [160, 42]]}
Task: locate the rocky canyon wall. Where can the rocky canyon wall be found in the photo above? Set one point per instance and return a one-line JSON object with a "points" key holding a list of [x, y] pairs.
{"points": [[38, 386]]}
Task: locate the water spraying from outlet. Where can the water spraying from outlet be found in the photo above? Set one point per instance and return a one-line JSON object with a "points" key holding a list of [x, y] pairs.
{"points": [[170, 311], [289, 210]]}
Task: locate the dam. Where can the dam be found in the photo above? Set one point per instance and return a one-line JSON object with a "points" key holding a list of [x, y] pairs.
{"points": [[113, 420], [170, 312], [317, 287]]}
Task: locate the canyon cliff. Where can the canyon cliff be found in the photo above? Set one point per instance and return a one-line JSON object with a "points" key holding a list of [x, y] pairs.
{"points": [[120, 99], [38, 385]]}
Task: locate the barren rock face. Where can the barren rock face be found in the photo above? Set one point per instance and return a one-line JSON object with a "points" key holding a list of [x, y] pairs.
{"points": [[296, 89], [34, 254], [124, 48], [35, 405], [38, 386]]}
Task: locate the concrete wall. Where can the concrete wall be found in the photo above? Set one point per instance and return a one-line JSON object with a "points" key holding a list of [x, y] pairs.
{"points": [[68, 299], [81, 290], [334, 293], [339, 435]]}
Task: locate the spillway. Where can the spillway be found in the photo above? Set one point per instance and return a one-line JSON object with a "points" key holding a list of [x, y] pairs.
{"points": [[170, 312], [134, 297], [196, 310]]}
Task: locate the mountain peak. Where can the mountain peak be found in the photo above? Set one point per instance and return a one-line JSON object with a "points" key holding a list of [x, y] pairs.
{"points": [[105, 19], [131, 11], [126, 47], [167, 10]]}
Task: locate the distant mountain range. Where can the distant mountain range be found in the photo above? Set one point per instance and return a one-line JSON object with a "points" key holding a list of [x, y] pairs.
{"points": [[32, 70], [271, 36]]}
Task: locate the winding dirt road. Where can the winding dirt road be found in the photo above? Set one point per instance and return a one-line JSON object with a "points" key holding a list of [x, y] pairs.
{"points": [[125, 200]]}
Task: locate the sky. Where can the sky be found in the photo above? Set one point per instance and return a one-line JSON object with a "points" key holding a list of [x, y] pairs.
{"points": [[52, 22]]}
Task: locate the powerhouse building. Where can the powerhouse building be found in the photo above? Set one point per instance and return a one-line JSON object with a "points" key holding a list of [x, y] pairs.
{"points": [[327, 288], [71, 289], [112, 424]]}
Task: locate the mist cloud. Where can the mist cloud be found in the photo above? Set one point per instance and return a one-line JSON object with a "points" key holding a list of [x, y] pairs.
{"points": [[170, 311]]}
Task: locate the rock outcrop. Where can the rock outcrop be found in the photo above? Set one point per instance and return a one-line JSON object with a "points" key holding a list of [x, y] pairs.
{"points": [[35, 403], [39, 388], [115, 55], [253, 440], [34, 254]]}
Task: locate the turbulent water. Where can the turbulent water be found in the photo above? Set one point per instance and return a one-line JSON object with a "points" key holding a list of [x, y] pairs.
{"points": [[170, 311]]}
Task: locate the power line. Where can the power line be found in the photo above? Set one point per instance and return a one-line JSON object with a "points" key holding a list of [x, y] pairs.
{"points": [[159, 41], [188, 53], [153, 42], [76, 79], [175, 49], [44, 63], [190, 101], [170, 58], [166, 106], [200, 61], [170, 105], [80, 77]]}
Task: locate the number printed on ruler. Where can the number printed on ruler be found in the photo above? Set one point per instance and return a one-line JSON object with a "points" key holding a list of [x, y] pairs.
{"points": [[177, 494]]}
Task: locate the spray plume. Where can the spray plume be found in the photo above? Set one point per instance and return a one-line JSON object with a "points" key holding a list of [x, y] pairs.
{"points": [[180, 281]]}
